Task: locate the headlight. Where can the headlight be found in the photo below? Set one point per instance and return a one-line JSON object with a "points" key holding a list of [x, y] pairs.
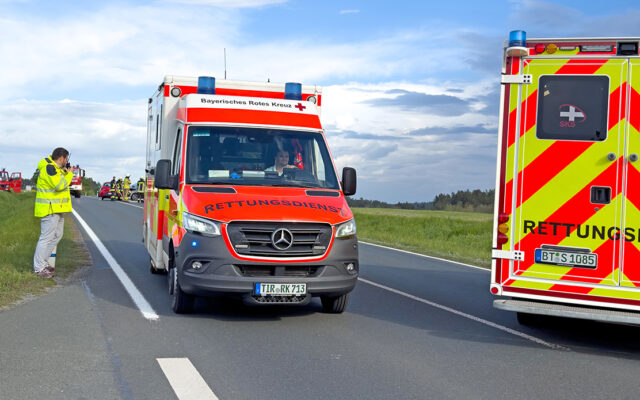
{"points": [[202, 225], [346, 229]]}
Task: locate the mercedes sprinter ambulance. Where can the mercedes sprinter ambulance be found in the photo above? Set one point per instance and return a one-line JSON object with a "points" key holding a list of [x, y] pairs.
{"points": [[242, 196]]}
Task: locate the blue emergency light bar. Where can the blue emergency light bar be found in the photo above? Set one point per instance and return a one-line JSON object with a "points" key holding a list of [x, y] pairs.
{"points": [[206, 85], [517, 39], [293, 91]]}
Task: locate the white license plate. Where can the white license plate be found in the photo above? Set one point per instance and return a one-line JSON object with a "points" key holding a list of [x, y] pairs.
{"points": [[280, 289], [555, 257]]}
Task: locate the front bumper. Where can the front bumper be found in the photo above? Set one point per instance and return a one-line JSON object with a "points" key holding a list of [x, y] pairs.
{"points": [[222, 273]]}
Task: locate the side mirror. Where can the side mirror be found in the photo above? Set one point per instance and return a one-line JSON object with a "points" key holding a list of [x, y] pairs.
{"points": [[83, 173], [349, 181], [163, 175]]}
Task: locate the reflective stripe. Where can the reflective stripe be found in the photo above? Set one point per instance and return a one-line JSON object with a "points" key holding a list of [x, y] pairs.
{"points": [[45, 190], [63, 182], [52, 201]]}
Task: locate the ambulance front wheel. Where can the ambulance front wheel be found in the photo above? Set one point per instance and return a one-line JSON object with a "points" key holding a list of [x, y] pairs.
{"points": [[181, 303], [334, 305]]}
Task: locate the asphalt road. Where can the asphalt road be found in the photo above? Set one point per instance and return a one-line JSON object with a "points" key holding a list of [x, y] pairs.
{"points": [[430, 333]]}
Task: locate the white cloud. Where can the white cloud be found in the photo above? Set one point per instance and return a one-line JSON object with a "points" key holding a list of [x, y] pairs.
{"points": [[349, 11]]}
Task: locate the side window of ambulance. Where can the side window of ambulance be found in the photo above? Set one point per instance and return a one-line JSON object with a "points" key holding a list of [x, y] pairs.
{"points": [[177, 153], [572, 107]]}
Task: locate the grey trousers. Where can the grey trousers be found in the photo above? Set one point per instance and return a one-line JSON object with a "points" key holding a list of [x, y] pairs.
{"points": [[51, 229]]}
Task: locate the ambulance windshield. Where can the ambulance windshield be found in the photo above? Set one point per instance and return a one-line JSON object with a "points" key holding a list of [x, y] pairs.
{"points": [[258, 157]]}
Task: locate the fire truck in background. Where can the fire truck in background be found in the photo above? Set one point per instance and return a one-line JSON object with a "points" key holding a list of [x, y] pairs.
{"points": [[11, 183], [242, 196], [567, 214], [76, 182]]}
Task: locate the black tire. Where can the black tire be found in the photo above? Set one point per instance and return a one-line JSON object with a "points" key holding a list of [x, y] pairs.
{"points": [[153, 269], [335, 305], [181, 303], [171, 280]]}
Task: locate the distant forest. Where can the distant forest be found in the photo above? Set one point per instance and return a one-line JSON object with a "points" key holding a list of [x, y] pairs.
{"points": [[462, 200]]}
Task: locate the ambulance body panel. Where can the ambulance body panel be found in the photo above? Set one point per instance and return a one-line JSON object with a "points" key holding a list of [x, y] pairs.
{"points": [[567, 212], [230, 223]]}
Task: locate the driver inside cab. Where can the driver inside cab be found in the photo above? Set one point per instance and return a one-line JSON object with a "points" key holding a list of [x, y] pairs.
{"points": [[281, 162]]}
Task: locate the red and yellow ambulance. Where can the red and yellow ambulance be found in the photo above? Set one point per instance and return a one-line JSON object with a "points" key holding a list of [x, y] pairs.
{"points": [[242, 195], [567, 214]]}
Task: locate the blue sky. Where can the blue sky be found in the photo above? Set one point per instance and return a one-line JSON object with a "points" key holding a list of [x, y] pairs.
{"points": [[410, 87]]}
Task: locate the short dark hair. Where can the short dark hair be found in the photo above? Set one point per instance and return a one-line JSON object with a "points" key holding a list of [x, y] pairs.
{"points": [[59, 152]]}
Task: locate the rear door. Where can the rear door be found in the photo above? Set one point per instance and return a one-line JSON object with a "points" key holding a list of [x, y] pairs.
{"points": [[630, 271], [570, 163]]}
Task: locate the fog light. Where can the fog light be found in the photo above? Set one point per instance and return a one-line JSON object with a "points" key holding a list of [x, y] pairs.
{"points": [[350, 267], [196, 265]]}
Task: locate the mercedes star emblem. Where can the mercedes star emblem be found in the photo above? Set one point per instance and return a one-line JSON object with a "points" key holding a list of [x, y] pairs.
{"points": [[282, 239]]}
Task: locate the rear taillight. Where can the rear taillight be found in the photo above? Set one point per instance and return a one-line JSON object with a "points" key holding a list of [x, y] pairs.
{"points": [[503, 228]]}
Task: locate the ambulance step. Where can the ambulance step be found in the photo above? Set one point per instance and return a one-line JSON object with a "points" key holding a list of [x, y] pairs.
{"points": [[568, 311]]}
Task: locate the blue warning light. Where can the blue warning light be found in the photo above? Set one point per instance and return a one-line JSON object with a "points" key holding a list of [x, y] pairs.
{"points": [[206, 85], [517, 39], [194, 244], [293, 91]]}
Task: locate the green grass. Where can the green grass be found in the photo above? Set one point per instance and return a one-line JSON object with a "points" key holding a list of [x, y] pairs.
{"points": [[458, 236], [19, 232]]}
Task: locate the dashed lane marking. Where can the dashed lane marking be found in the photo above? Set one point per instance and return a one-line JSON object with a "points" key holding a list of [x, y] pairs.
{"points": [[185, 379]]}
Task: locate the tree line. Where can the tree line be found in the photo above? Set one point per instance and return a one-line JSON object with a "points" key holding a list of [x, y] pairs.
{"points": [[462, 200]]}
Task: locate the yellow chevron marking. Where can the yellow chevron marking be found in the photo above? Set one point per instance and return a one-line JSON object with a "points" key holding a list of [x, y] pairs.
{"points": [[635, 75], [531, 284], [568, 182], [604, 217], [616, 294]]}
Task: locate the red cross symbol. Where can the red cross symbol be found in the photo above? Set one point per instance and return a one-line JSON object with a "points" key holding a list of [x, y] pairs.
{"points": [[300, 107]]}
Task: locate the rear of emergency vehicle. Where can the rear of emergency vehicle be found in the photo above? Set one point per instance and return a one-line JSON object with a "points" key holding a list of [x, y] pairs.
{"points": [[567, 214], [76, 182], [242, 197]]}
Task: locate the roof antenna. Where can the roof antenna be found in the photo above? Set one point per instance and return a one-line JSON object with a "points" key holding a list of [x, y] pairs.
{"points": [[225, 63]]}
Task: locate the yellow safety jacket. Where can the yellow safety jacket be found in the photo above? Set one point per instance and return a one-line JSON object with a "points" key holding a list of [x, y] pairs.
{"points": [[127, 183], [52, 189]]}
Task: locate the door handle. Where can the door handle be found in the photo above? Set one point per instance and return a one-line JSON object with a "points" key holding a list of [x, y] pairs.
{"points": [[633, 157], [611, 156]]}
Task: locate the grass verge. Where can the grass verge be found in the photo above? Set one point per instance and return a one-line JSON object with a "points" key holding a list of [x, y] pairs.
{"points": [[19, 233], [458, 236]]}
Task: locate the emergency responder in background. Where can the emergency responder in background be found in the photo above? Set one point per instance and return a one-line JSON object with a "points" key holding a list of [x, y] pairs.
{"points": [[140, 189], [52, 201], [126, 184], [112, 187]]}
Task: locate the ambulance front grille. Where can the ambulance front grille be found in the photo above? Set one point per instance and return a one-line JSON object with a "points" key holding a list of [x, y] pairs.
{"points": [[255, 238]]}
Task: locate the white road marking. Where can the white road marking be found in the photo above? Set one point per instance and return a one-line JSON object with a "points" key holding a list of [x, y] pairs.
{"points": [[468, 316], [426, 256], [132, 205], [185, 380], [137, 297]]}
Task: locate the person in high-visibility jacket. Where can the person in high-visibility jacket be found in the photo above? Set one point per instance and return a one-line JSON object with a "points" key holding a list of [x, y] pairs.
{"points": [[126, 183], [53, 200]]}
